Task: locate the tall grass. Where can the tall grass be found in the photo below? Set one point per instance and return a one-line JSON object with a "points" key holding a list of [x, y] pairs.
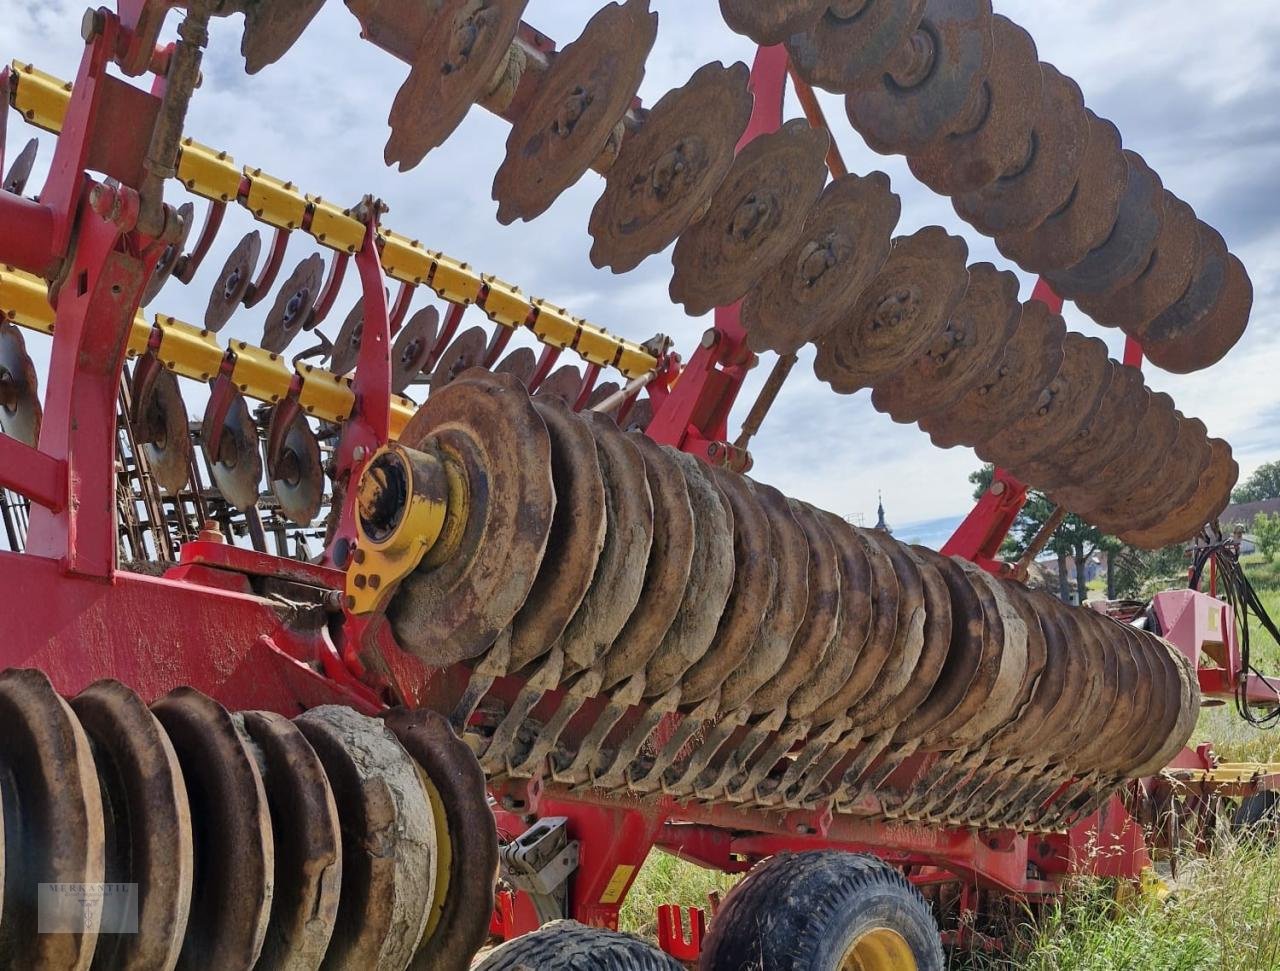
{"points": [[668, 879]]}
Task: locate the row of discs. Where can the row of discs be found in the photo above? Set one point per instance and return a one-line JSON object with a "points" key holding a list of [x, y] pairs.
{"points": [[952, 349], [602, 564], [244, 840], [961, 93]]}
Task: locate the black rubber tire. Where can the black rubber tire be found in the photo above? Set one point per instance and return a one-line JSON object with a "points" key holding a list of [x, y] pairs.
{"points": [[801, 912], [566, 945], [1258, 813]]}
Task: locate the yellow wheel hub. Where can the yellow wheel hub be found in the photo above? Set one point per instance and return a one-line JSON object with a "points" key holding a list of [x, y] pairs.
{"points": [[881, 949]]}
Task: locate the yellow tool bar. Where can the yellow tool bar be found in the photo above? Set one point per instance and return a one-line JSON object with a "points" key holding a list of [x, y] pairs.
{"points": [[42, 100], [1228, 772], [192, 352]]}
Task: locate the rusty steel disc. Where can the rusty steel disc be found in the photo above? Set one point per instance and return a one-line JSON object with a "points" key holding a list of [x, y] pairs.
{"points": [[271, 27], [844, 245], [161, 427], [296, 475], [927, 85], [468, 588], [237, 468], [346, 348], [233, 282], [464, 46], [576, 537], [601, 392], [640, 415], [851, 41], [307, 837], [821, 617], [899, 313], [754, 582], [1014, 659], [1088, 215], [770, 23], [53, 820], [172, 253], [961, 354], [466, 352], [520, 364], [666, 578], [459, 784], [1126, 252], [667, 171], [789, 554], [1032, 702], [1194, 455], [20, 411], [1213, 492], [1009, 387], [413, 347], [563, 383], [1148, 500], [292, 307], [389, 848], [149, 819], [232, 833], [992, 137], [15, 180], [711, 580], [1161, 282], [756, 215], [575, 110], [1209, 317], [1043, 179], [620, 569]]}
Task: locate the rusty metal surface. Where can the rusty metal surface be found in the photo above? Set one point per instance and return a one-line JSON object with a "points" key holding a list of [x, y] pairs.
{"points": [[755, 217], [770, 23], [845, 243], [575, 110], [1161, 282], [295, 475], [237, 467], [463, 47], [292, 308], [20, 411], [412, 348], [160, 426], [562, 384], [955, 362], [465, 352], [667, 171], [1213, 492], [15, 180], [231, 823], [172, 253], [852, 40], [346, 346], [491, 438], [271, 27], [992, 137], [233, 281], [1088, 215], [1023, 197], [1127, 250], [929, 82], [899, 313], [520, 363]]}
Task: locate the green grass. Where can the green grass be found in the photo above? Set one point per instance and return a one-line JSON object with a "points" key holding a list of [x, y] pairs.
{"points": [[668, 879]]}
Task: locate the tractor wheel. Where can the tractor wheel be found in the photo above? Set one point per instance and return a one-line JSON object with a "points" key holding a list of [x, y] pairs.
{"points": [[566, 945], [823, 911], [1259, 813]]}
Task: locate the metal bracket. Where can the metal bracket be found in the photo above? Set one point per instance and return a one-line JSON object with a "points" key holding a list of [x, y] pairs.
{"points": [[539, 863]]}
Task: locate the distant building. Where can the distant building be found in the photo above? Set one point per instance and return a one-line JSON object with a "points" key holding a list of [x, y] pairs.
{"points": [[880, 523], [1246, 513]]}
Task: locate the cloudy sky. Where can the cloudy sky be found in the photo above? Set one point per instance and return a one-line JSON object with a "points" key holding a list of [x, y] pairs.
{"points": [[1195, 88]]}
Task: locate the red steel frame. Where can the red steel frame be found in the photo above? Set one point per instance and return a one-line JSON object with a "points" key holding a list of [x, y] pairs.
{"points": [[207, 623]]}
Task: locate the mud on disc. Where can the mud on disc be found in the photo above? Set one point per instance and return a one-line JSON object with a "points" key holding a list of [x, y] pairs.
{"points": [[464, 46], [1192, 449], [472, 583], [172, 253], [579, 102], [271, 27], [563, 383], [233, 282], [770, 23], [1065, 404], [466, 352], [293, 304], [899, 313], [346, 348], [412, 348], [954, 363], [927, 85], [1213, 492], [1045, 175], [1162, 281], [756, 215], [992, 136], [844, 245], [1087, 216], [667, 171], [520, 363], [852, 40]]}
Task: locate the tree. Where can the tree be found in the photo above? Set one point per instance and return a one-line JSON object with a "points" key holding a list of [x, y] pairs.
{"points": [[1266, 533], [1263, 484]]}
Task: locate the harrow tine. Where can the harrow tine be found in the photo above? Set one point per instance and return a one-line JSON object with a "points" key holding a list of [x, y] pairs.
{"points": [[684, 780], [735, 763], [494, 759], [613, 774], [651, 779]]}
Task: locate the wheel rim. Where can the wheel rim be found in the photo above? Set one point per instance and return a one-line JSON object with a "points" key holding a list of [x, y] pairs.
{"points": [[881, 949]]}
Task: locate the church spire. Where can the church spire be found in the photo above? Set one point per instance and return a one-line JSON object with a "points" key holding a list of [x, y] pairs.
{"points": [[880, 523]]}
